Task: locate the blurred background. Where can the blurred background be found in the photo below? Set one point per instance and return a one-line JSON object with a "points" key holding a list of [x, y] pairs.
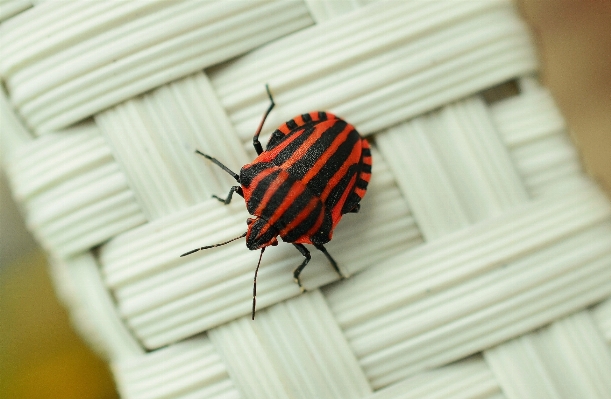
{"points": [[574, 44], [40, 355]]}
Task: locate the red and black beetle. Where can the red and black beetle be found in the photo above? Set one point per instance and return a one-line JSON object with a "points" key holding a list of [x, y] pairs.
{"points": [[315, 168]]}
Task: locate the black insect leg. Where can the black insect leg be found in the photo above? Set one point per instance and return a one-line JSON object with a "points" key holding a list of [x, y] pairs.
{"points": [[234, 189], [304, 251], [220, 165], [322, 249], [255, 139]]}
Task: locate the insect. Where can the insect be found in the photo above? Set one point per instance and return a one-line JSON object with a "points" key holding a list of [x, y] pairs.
{"points": [[315, 169]]}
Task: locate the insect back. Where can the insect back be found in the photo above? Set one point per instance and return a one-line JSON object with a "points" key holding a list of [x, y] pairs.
{"points": [[315, 168]]}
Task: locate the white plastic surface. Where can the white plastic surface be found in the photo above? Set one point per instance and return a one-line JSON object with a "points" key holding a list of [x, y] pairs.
{"points": [[12, 132], [468, 379], [568, 359], [266, 357], [472, 289], [189, 369], [165, 298], [354, 67], [73, 191], [107, 52], [602, 314], [92, 309], [154, 138], [536, 136], [452, 167], [322, 10], [8, 8]]}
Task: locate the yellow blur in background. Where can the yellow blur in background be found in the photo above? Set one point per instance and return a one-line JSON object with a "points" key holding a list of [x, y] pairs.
{"points": [[41, 356], [574, 45]]}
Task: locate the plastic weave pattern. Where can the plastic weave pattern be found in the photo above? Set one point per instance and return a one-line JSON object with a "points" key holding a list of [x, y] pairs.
{"points": [[480, 262]]}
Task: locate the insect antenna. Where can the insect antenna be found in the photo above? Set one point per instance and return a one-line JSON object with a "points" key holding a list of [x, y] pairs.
{"points": [[212, 246], [254, 285], [220, 165]]}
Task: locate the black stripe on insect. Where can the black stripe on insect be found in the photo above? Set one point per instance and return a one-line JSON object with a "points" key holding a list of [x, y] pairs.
{"points": [[315, 169]]}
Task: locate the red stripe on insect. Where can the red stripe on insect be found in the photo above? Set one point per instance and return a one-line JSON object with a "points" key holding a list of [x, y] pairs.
{"points": [[337, 164], [302, 148], [314, 229], [329, 152], [286, 203], [336, 212], [301, 216], [365, 176], [271, 190], [339, 174], [257, 179], [360, 192]]}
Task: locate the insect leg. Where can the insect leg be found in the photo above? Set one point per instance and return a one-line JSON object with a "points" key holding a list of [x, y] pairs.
{"points": [[322, 249], [220, 165], [255, 139], [234, 189], [304, 251]]}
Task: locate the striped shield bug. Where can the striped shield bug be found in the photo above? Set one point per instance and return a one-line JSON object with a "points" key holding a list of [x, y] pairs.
{"points": [[315, 168]]}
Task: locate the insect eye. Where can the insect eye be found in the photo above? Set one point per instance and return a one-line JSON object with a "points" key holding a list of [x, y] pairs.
{"points": [[249, 221]]}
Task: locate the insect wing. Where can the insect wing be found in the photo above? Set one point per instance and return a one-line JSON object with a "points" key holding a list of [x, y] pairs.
{"points": [[300, 122], [325, 156]]}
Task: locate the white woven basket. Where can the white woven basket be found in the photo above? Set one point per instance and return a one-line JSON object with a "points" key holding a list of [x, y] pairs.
{"points": [[478, 260]]}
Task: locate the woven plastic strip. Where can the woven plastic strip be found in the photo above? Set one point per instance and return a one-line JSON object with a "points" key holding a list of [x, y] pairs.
{"points": [[580, 369], [73, 191], [8, 8], [112, 51], [77, 282], [437, 52], [189, 369], [164, 298], [154, 138], [266, 356]]}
